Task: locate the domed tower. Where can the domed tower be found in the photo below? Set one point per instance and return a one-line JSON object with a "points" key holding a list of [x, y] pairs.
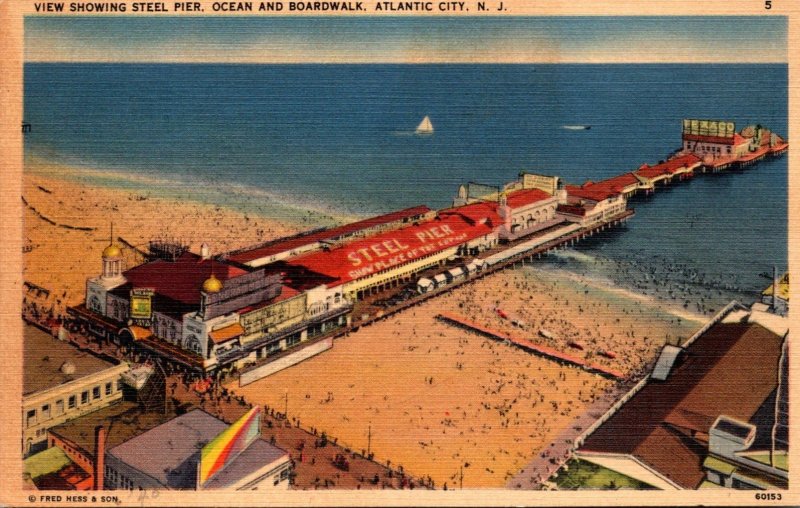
{"points": [[112, 262], [211, 286], [111, 277], [112, 259]]}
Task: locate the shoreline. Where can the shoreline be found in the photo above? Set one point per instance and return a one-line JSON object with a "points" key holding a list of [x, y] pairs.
{"points": [[237, 198], [145, 198], [628, 293]]}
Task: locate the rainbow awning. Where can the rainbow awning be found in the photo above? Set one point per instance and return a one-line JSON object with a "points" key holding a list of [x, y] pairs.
{"points": [[223, 449]]}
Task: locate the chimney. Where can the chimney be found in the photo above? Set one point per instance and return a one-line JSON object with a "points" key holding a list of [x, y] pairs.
{"points": [[205, 251], [99, 456]]}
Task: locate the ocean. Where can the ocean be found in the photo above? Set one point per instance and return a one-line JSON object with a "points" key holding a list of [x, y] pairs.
{"points": [[339, 138]]}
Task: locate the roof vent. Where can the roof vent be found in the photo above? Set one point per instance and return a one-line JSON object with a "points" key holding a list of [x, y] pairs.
{"points": [[68, 368]]}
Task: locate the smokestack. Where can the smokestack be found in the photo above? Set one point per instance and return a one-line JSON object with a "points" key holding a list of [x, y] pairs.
{"points": [[99, 456]]}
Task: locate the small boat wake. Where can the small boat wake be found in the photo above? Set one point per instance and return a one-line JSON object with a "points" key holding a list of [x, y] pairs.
{"points": [[576, 127]]}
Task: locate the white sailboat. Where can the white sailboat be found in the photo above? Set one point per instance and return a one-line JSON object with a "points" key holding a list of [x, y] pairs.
{"points": [[425, 126]]}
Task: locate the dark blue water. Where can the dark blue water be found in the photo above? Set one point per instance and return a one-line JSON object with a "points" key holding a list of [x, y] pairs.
{"points": [[341, 135]]}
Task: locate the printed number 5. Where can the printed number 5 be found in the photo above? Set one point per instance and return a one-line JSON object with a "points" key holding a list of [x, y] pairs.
{"points": [[768, 4]]}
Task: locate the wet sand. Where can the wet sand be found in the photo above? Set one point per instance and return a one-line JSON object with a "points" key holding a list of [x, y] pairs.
{"points": [[440, 400]]}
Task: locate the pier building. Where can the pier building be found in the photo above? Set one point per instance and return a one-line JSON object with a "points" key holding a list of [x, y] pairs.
{"points": [[281, 249], [522, 207], [718, 139], [202, 312], [386, 260], [720, 146], [590, 205], [213, 314]]}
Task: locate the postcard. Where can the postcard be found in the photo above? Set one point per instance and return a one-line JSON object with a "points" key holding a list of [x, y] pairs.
{"points": [[397, 253]]}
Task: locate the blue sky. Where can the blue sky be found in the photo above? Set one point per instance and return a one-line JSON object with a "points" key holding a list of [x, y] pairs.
{"points": [[425, 39]]}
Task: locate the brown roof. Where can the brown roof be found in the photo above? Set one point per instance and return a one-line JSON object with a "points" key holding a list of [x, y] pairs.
{"points": [[180, 280], [123, 421], [731, 369], [44, 356]]}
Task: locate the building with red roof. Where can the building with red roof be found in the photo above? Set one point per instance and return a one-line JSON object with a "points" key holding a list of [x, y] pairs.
{"points": [[392, 257], [284, 248], [679, 166], [706, 410], [711, 139], [592, 203], [523, 207], [204, 312], [182, 279]]}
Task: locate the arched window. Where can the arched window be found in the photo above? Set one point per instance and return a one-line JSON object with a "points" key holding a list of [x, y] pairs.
{"points": [[94, 303]]}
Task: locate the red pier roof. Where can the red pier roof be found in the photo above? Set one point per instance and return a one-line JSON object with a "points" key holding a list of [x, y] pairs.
{"points": [[593, 192], [390, 249], [524, 197], [279, 246], [736, 139], [483, 212]]}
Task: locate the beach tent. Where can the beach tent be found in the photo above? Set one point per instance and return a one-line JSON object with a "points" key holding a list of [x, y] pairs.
{"points": [[424, 285], [456, 273]]}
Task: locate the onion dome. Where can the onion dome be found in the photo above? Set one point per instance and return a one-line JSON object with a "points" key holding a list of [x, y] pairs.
{"points": [[212, 285], [112, 251]]}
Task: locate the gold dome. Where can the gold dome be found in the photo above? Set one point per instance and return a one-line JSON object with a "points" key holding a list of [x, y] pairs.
{"points": [[212, 285], [112, 251]]}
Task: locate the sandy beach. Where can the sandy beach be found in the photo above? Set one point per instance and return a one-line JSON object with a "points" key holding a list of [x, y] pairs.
{"points": [[59, 257], [440, 400]]}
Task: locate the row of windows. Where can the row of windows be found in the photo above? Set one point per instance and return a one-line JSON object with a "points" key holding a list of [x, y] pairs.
{"points": [[119, 480], [714, 149], [70, 449], [48, 411], [401, 274]]}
